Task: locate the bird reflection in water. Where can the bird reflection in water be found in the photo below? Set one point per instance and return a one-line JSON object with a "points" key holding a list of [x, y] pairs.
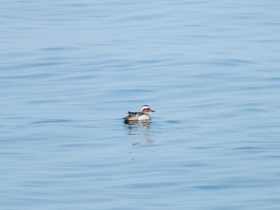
{"points": [[134, 127]]}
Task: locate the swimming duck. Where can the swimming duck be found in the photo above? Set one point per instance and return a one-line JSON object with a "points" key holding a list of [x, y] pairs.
{"points": [[142, 115]]}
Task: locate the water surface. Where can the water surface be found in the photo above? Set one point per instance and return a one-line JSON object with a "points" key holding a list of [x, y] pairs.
{"points": [[70, 70]]}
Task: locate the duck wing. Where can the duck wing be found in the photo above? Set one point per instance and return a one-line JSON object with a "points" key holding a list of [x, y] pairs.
{"points": [[132, 115]]}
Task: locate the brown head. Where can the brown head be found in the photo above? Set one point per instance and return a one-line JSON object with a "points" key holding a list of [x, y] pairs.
{"points": [[145, 109]]}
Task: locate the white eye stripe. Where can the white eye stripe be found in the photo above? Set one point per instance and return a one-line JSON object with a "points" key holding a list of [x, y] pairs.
{"points": [[145, 107]]}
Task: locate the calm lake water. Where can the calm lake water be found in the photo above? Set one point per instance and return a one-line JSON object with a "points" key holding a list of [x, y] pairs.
{"points": [[70, 70]]}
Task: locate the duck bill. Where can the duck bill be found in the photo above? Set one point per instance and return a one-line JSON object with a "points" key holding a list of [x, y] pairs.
{"points": [[151, 110]]}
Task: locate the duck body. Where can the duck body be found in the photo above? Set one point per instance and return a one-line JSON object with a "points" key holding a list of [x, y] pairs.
{"points": [[139, 116]]}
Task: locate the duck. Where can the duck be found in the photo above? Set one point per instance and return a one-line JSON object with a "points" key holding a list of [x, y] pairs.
{"points": [[139, 116]]}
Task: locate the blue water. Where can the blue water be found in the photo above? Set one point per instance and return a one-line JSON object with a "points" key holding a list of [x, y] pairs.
{"points": [[70, 70]]}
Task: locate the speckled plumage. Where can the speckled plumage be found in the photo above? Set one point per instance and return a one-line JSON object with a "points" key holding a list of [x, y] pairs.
{"points": [[142, 115]]}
